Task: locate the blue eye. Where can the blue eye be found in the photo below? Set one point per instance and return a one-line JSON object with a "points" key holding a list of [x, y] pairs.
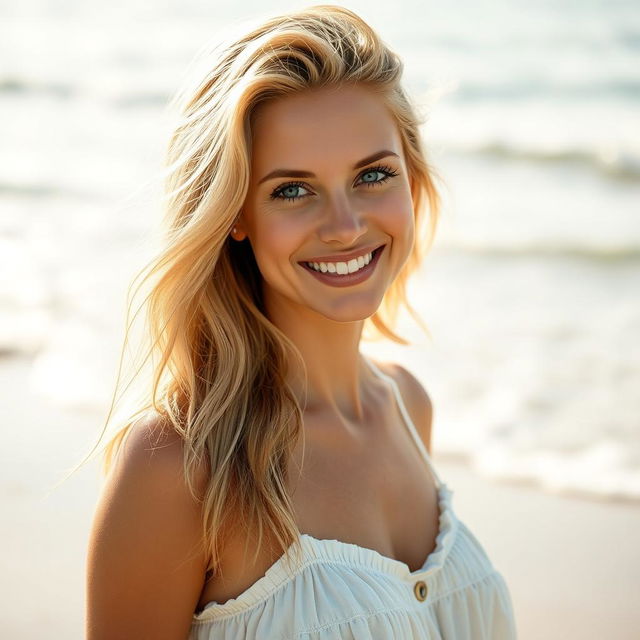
{"points": [[288, 191], [373, 172], [281, 192]]}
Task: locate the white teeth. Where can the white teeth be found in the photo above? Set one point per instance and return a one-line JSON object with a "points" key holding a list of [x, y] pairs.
{"points": [[342, 268]]}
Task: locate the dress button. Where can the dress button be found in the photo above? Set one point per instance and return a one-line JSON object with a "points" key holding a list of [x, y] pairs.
{"points": [[420, 589]]}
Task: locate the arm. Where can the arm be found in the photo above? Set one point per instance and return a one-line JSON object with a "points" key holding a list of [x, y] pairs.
{"points": [[418, 403], [145, 565]]}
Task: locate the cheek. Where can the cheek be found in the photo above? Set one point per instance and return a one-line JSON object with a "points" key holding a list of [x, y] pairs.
{"points": [[275, 242], [398, 217]]}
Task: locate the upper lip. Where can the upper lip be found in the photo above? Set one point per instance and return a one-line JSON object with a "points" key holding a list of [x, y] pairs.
{"points": [[345, 257]]}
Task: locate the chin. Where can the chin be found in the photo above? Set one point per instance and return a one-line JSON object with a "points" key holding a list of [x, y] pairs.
{"points": [[349, 311]]}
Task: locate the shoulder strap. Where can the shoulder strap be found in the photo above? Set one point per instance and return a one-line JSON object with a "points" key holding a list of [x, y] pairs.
{"points": [[407, 419]]}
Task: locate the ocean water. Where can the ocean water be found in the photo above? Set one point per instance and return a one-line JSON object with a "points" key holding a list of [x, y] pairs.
{"points": [[531, 291]]}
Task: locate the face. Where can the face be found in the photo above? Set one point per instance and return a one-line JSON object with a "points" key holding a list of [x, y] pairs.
{"points": [[329, 186]]}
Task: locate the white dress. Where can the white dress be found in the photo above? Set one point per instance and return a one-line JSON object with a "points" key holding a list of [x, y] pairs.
{"points": [[343, 591]]}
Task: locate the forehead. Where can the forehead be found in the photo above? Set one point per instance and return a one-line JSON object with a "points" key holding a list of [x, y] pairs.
{"points": [[322, 127]]}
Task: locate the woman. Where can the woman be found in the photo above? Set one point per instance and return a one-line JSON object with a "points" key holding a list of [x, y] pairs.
{"points": [[294, 215]]}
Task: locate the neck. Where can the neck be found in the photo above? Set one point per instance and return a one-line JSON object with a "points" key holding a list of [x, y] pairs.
{"points": [[335, 369]]}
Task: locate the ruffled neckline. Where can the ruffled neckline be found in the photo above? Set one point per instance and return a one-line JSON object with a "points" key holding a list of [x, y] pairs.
{"points": [[319, 550]]}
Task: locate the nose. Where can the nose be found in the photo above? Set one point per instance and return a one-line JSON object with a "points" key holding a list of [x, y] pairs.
{"points": [[342, 223]]}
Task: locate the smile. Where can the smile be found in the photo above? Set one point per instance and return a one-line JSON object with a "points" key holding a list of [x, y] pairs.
{"points": [[344, 274]]}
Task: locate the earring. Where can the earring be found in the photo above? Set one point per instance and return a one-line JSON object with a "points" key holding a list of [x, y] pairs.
{"points": [[233, 230]]}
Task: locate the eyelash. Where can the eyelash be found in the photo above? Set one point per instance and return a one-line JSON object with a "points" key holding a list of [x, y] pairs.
{"points": [[388, 171]]}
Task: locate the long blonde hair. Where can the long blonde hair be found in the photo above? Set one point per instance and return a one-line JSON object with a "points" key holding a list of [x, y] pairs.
{"points": [[213, 344]]}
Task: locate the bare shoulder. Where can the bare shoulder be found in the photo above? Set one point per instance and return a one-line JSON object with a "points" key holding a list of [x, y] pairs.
{"points": [[416, 399], [154, 445], [145, 564]]}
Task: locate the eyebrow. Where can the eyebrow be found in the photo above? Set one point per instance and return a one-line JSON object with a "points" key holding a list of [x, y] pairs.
{"points": [[297, 173]]}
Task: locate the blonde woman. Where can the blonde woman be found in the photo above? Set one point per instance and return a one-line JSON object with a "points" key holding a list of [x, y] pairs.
{"points": [[278, 483]]}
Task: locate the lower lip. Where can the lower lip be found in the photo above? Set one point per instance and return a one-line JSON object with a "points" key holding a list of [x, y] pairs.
{"points": [[348, 279]]}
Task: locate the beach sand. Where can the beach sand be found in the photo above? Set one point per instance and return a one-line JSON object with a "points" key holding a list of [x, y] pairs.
{"points": [[572, 565]]}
